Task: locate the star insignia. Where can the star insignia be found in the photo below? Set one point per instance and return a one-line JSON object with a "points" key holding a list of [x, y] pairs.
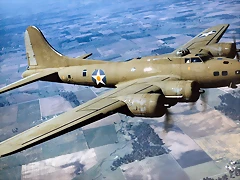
{"points": [[99, 77], [206, 34]]}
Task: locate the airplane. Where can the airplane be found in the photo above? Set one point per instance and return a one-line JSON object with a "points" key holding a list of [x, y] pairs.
{"points": [[143, 86]]}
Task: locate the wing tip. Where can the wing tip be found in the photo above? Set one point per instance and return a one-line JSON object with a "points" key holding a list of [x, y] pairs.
{"points": [[223, 25], [227, 25]]}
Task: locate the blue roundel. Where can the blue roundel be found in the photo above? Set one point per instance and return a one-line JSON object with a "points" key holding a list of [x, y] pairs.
{"points": [[99, 77]]}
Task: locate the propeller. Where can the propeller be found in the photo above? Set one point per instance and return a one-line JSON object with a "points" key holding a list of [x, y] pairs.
{"points": [[203, 98], [167, 121], [236, 49]]}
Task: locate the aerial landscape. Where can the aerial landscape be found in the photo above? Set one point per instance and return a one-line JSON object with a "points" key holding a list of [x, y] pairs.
{"points": [[200, 142]]}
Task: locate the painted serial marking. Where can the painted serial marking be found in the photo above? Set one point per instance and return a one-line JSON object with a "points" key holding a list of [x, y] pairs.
{"points": [[99, 77], [207, 34]]}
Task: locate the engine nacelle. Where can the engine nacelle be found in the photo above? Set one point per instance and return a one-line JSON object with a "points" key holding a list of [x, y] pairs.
{"points": [[184, 91], [221, 49], [144, 105]]}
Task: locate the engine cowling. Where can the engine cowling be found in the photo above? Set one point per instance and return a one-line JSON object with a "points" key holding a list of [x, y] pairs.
{"points": [[189, 91], [222, 49], [144, 105]]}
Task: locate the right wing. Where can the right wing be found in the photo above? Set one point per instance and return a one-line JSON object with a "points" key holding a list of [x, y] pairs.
{"points": [[27, 80], [86, 113], [208, 36]]}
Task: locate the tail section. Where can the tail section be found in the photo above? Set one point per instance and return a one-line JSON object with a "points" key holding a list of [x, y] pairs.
{"points": [[40, 54]]}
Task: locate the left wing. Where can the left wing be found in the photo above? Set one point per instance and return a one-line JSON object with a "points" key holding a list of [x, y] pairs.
{"points": [[208, 36], [86, 113]]}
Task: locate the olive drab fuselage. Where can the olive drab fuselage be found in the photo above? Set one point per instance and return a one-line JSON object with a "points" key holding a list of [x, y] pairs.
{"points": [[213, 72]]}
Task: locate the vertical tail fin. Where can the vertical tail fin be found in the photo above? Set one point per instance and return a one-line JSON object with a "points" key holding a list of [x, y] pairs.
{"points": [[40, 54]]}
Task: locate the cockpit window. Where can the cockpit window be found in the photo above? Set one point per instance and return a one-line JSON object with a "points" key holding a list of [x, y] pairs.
{"points": [[193, 60], [196, 59], [205, 58], [187, 60]]}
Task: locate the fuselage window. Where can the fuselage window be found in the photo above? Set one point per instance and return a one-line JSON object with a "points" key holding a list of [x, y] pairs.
{"points": [[224, 73], [237, 72], [225, 62], [216, 73], [187, 60], [195, 59], [84, 73]]}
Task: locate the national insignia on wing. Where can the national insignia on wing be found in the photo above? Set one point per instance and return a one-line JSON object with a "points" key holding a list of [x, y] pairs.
{"points": [[207, 34]]}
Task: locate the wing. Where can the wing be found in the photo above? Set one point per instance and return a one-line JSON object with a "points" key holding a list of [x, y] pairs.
{"points": [[27, 80], [209, 36], [86, 113]]}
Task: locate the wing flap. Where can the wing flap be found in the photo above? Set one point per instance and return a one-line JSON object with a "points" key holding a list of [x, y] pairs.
{"points": [[100, 104], [27, 80]]}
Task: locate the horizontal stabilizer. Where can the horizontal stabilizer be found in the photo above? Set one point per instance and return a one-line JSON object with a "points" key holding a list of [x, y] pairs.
{"points": [[26, 80]]}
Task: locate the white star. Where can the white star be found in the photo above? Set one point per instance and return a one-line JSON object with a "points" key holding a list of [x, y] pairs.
{"points": [[207, 33], [99, 78]]}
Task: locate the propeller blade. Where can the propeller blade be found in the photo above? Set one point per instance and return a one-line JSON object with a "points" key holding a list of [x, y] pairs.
{"points": [[167, 121], [192, 104], [204, 99], [237, 50], [234, 39]]}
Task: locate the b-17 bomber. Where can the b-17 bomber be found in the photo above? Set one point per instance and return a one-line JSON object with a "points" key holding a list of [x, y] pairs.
{"points": [[143, 86]]}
